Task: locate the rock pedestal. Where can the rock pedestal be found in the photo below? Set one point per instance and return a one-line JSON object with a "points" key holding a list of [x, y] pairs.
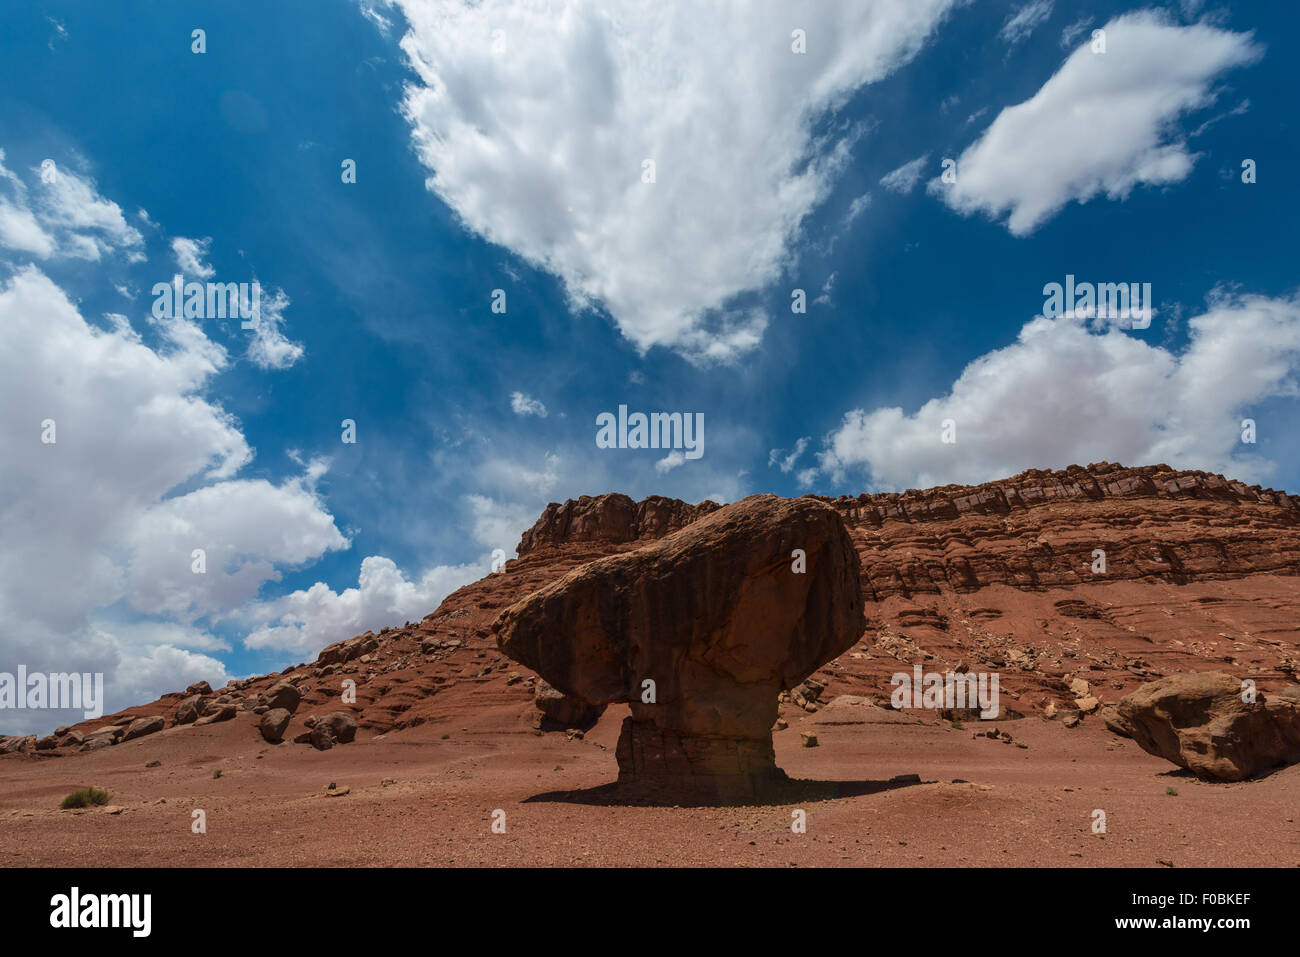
{"points": [[699, 632]]}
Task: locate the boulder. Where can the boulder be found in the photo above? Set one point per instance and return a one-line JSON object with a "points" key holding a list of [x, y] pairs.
{"points": [[561, 710], [215, 713], [283, 694], [336, 728], [189, 710], [199, 688], [273, 724], [699, 632], [1200, 722], [142, 726]]}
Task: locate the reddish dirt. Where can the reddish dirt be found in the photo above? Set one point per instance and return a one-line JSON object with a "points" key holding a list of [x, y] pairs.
{"points": [[1202, 574]]}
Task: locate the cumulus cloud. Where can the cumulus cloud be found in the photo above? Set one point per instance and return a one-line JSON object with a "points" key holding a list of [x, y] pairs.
{"points": [[307, 620], [536, 124], [139, 473], [526, 405], [904, 179], [1102, 125], [1069, 393]]}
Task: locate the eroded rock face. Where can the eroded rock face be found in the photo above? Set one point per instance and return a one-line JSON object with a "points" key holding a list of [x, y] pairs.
{"points": [[717, 616], [1200, 722], [564, 710]]}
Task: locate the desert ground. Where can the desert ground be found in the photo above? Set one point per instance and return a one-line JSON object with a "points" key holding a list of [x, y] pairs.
{"points": [[426, 796]]}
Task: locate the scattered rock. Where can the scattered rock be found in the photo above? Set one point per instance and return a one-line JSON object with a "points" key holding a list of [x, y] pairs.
{"points": [[808, 739], [215, 713], [199, 688], [142, 726], [189, 710], [283, 694], [336, 728], [273, 724]]}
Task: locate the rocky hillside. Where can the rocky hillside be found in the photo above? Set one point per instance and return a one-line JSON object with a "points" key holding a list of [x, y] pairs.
{"points": [[1201, 573]]}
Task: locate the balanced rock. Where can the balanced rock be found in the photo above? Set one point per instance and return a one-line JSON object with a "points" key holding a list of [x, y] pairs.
{"points": [[699, 632], [1201, 722]]}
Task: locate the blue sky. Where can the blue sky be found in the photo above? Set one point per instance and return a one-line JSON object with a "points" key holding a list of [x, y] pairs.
{"points": [[501, 146]]}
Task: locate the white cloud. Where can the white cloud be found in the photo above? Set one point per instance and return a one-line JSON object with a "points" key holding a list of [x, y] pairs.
{"points": [[526, 405], [373, 15], [62, 215], [307, 620], [94, 520], [246, 529], [904, 179], [1066, 394], [784, 462], [669, 462], [269, 348], [857, 207], [499, 524], [1103, 124], [534, 123], [190, 255], [1025, 21], [1073, 31]]}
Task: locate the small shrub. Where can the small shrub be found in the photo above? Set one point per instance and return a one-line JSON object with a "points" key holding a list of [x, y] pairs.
{"points": [[1171, 792], [85, 798]]}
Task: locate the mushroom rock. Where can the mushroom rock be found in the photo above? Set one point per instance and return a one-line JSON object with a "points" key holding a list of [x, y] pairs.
{"points": [[699, 632]]}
